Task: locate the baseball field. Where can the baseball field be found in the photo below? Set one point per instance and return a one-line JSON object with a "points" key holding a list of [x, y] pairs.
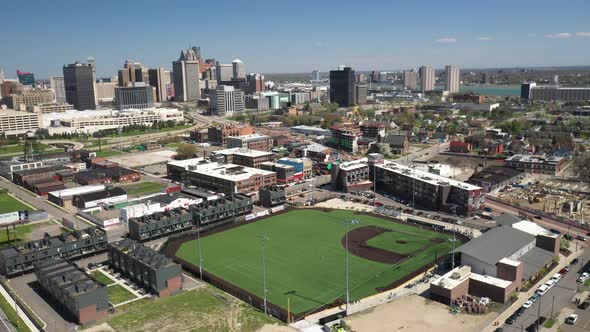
{"points": [[305, 255]]}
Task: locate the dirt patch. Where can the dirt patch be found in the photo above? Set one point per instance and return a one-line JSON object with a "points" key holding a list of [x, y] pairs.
{"points": [[357, 245], [401, 241]]}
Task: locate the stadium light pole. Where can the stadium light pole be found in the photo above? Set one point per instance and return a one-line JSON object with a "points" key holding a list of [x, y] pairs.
{"points": [[454, 238], [264, 238], [346, 222], [200, 252]]}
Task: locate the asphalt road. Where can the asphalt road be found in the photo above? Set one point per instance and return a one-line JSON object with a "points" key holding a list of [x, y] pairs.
{"points": [[558, 297]]}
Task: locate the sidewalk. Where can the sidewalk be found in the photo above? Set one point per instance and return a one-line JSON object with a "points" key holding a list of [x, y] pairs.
{"points": [[523, 297], [20, 311]]}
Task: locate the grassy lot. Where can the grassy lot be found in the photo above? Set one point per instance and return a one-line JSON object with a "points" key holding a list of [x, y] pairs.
{"points": [[19, 148], [10, 204], [13, 318], [107, 153], [22, 231], [549, 323], [305, 257], [102, 277], [118, 294], [151, 131], [201, 310], [143, 188]]}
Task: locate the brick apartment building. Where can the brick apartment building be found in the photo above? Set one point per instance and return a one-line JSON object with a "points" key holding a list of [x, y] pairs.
{"points": [[253, 141], [219, 135]]}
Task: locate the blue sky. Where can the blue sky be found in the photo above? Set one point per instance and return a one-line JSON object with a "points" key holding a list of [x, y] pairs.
{"points": [[295, 36]]}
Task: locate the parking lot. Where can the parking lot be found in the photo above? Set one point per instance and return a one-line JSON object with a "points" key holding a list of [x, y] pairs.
{"points": [[558, 298]]}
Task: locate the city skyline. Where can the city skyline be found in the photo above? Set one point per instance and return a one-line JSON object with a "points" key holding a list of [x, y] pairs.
{"points": [[310, 36]]}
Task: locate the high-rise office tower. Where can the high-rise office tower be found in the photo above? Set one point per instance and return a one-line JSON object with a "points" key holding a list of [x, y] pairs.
{"points": [[223, 72], [225, 100], [238, 69], [79, 85], [25, 78], [138, 96], [342, 90], [452, 79], [159, 79], [59, 88], [92, 63], [410, 79], [315, 76], [427, 78], [187, 76], [255, 83], [2, 77]]}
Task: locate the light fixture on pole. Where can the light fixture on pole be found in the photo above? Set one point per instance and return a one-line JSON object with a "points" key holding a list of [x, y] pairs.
{"points": [[264, 238], [346, 223]]}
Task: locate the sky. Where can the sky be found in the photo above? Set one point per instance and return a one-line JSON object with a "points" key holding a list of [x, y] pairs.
{"points": [[280, 36]]}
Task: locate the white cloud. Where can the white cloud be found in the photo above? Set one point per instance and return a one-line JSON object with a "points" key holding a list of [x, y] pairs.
{"points": [[561, 35], [583, 34], [484, 38], [446, 40]]}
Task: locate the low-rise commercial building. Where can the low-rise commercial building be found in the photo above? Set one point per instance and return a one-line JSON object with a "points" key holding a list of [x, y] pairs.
{"points": [[285, 173], [313, 131], [104, 197], [46, 108], [352, 176], [532, 92], [19, 259], [78, 296], [28, 175], [147, 268], [493, 178], [107, 175], [271, 197], [303, 167], [27, 99], [244, 157], [253, 141], [345, 137], [536, 164], [219, 134]]}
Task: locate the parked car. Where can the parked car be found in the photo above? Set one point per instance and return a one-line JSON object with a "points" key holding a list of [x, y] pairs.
{"points": [[510, 320], [563, 271], [534, 298], [537, 217], [581, 238], [556, 277], [528, 304], [554, 231], [487, 209], [542, 290], [571, 319], [584, 305], [575, 261], [568, 237], [519, 311], [584, 277]]}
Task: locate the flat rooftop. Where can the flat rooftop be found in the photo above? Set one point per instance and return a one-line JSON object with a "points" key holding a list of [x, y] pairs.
{"points": [[242, 152], [454, 277], [534, 159], [490, 280], [230, 172], [425, 176], [250, 136], [355, 164]]}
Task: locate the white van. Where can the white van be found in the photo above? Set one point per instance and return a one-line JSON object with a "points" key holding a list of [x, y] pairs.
{"points": [[542, 290], [550, 283]]}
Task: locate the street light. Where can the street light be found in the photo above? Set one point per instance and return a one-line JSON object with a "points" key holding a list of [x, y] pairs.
{"points": [[346, 223], [264, 238], [454, 209]]}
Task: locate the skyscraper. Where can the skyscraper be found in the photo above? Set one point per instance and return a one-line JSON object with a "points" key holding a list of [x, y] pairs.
{"points": [[58, 87], [225, 100], [25, 78], [159, 79], [92, 64], [238, 69], [187, 75], [452, 79], [132, 73], [427, 78], [79, 85], [255, 83], [342, 90], [2, 77], [138, 96], [315, 76], [223, 72], [410, 79]]}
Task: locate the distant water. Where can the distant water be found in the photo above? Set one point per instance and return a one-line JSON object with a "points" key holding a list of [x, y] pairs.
{"points": [[492, 90]]}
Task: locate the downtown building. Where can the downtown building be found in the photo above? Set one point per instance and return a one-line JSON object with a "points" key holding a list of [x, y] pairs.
{"points": [[410, 79], [80, 86], [244, 157], [159, 78], [342, 87], [13, 123], [78, 296], [58, 87], [145, 267], [187, 75], [226, 100], [138, 96], [219, 134], [27, 99], [19, 259]]}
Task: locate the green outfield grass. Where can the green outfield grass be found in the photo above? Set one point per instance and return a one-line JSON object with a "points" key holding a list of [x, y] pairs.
{"points": [[305, 257], [10, 204], [143, 188], [118, 294]]}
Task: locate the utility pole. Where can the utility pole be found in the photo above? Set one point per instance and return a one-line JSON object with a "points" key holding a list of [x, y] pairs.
{"points": [[552, 304], [579, 275], [454, 239], [264, 238], [539, 313]]}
